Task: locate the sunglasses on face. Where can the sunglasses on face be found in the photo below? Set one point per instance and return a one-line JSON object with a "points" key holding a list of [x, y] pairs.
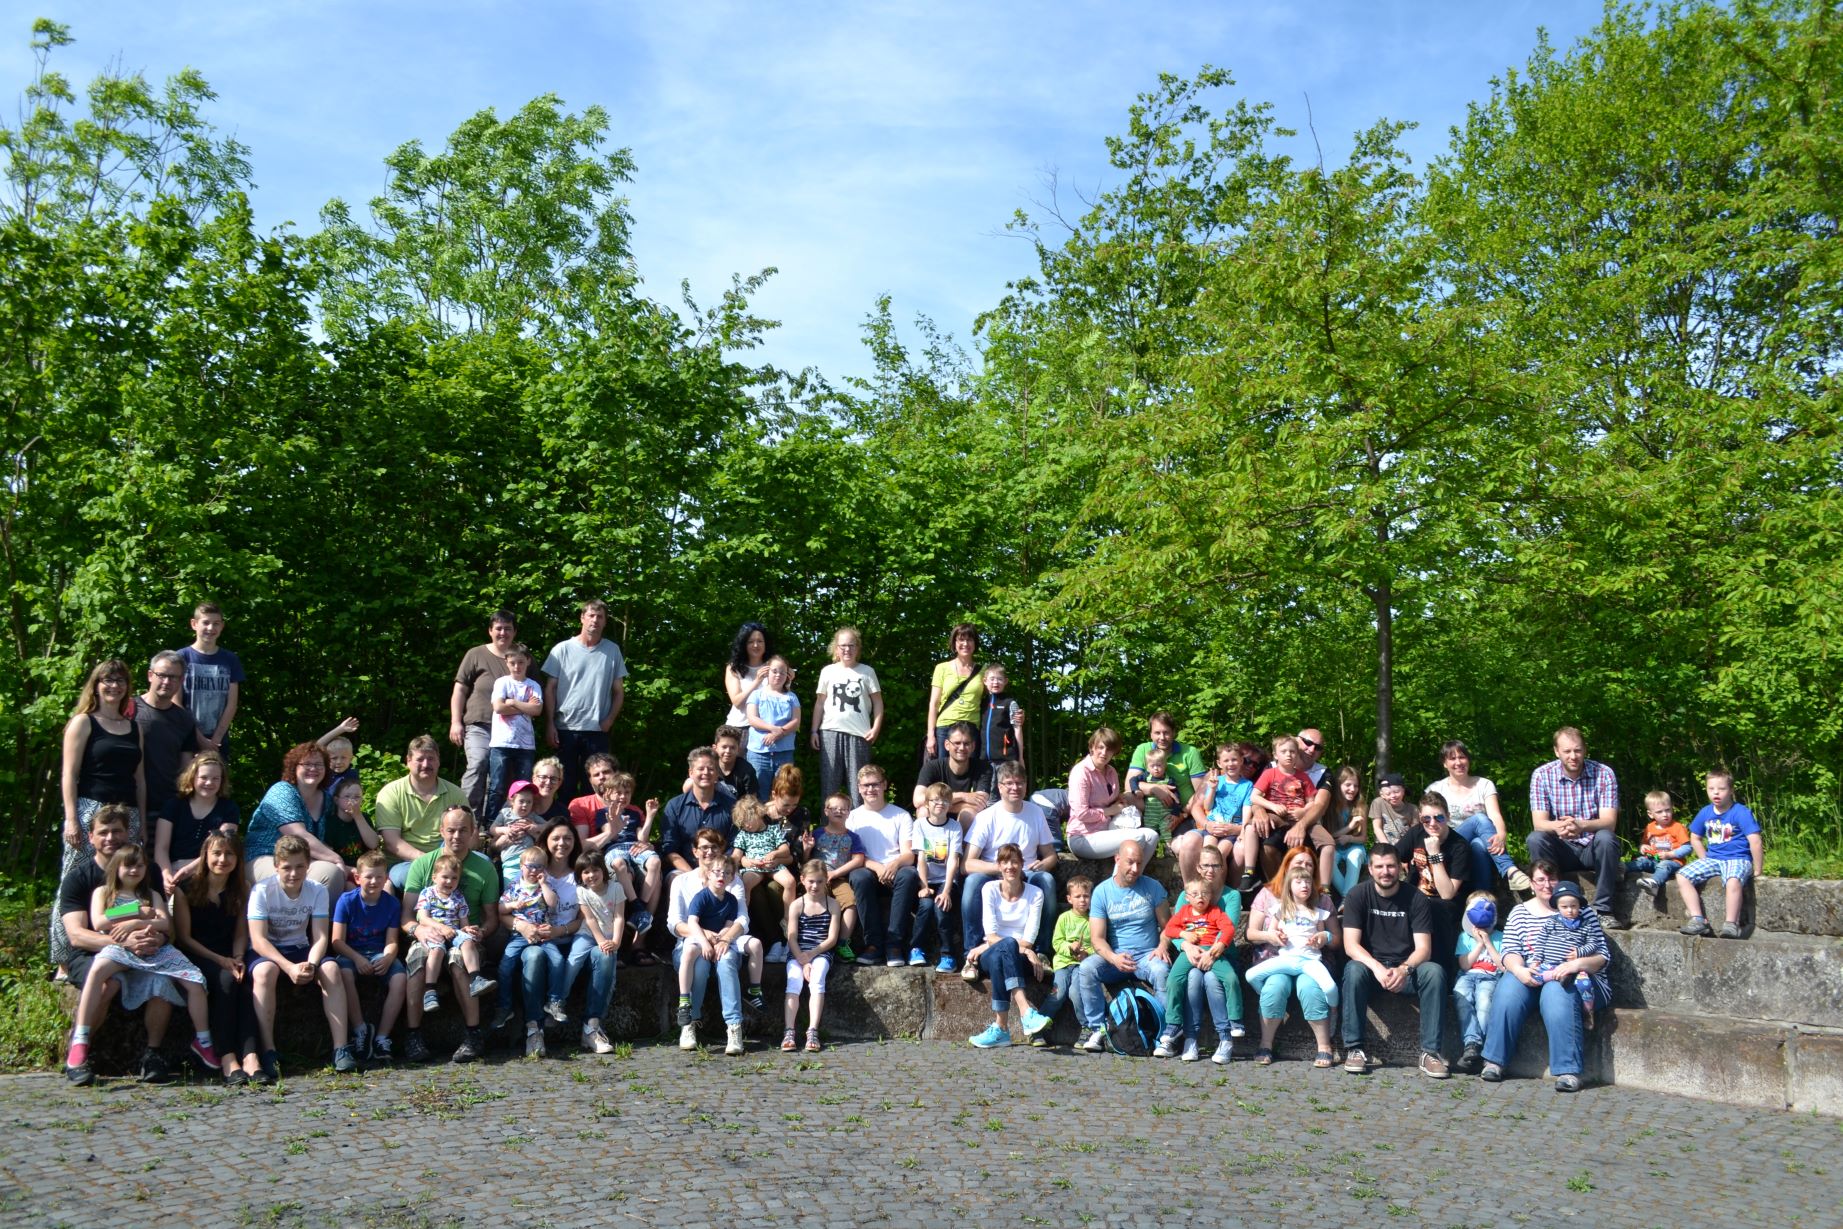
{"points": [[1309, 743]]}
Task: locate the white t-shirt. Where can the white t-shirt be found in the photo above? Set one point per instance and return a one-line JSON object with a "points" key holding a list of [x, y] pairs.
{"points": [[1012, 919], [287, 918], [882, 832], [687, 884], [515, 731], [568, 905], [934, 844], [1461, 803], [844, 698], [995, 827], [736, 716], [601, 905]]}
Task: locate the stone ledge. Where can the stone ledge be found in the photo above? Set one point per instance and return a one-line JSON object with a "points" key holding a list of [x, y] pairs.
{"points": [[1791, 906], [1789, 978], [1737, 1062]]}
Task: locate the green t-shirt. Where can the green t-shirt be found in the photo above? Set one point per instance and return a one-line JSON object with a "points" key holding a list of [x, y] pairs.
{"points": [[965, 706], [479, 883], [1182, 765], [1070, 928]]}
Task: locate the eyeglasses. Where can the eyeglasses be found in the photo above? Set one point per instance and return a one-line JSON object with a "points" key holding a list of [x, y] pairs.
{"points": [[171, 678], [1316, 746]]}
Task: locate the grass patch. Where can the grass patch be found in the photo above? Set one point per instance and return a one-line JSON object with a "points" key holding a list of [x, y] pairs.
{"points": [[32, 1023]]}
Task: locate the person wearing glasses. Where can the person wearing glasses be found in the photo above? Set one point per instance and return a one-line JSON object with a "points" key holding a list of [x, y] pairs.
{"points": [[169, 735], [1437, 862]]}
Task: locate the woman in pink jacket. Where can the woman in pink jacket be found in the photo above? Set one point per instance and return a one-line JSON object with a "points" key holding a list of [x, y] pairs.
{"points": [[1095, 829]]}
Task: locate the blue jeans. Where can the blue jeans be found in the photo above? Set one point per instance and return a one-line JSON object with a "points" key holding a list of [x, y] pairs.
{"points": [[1660, 869], [767, 763], [1472, 995], [583, 953], [1097, 973], [1477, 828], [1426, 982], [1004, 970], [1511, 1004], [1065, 988], [504, 766], [544, 966], [885, 908], [929, 922], [972, 909], [1347, 867], [1314, 1003], [729, 983], [1200, 989]]}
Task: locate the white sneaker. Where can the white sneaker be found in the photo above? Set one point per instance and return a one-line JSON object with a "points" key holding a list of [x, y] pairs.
{"points": [[1223, 1053], [1094, 1041], [777, 954], [534, 1041], [1166, 1047], [594, 1039], [1190, 1051], [734, 1045], [688, 1037], [554, 1009]]}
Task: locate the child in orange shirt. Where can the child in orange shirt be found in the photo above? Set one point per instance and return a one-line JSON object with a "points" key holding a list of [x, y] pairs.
{"points": [[1665, 847], [1201, 929]]}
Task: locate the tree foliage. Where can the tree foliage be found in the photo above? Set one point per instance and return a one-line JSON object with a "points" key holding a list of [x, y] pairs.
{"points": [[1543, 432]]}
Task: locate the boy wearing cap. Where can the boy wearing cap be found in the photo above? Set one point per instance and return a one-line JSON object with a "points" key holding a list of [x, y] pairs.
{"points": [[1390, 816], [520, 831], [1565, 942], [1481, 955]]}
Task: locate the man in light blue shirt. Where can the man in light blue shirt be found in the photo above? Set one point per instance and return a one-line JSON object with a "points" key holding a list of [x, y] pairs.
{"points": [[584, 688], [1126, 918]]}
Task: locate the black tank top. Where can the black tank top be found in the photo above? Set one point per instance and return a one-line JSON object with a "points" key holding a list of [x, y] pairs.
{"points": [[109, 762], [212, 926]]}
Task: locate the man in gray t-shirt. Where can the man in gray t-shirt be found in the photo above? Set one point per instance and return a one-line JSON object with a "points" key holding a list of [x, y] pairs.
{"points": [[584, 687]]}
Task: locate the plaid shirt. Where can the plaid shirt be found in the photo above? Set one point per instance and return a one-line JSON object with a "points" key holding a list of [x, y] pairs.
{"points": [[1552, 791]]}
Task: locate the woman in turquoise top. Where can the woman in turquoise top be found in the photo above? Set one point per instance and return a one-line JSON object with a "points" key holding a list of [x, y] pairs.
{"points": [[297, 804]]}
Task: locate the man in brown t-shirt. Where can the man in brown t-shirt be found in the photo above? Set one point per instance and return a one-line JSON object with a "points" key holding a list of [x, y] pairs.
{"points": [[470, 707]]}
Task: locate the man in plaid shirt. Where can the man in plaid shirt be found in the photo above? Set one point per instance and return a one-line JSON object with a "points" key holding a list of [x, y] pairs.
{"points": [[1574, 808]]}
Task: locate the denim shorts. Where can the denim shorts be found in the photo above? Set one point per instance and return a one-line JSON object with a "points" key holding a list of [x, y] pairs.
{"points": [[395, 969]]}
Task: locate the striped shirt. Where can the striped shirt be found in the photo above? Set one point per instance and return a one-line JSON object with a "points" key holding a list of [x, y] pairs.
{"points": [[1543, 941], [1555, 793]]}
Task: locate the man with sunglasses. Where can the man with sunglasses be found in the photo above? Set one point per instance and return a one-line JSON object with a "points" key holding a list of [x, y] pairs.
{"points": [[1437, 862]]}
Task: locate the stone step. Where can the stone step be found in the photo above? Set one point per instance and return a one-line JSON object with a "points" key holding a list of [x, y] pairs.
{"points": [[1790, 906], [1791, 978], [1737, 1062]]}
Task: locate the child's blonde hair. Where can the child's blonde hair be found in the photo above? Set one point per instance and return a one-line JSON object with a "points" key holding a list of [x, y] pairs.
{"points": [[1157, 757], [1079, 881], [1661, 797], [747, 814], [939, 791], [817, 866], [529, 855], [1196, 890]]}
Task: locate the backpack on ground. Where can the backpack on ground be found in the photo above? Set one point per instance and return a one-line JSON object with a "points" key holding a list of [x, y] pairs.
{"points": [[1134, 1020]]}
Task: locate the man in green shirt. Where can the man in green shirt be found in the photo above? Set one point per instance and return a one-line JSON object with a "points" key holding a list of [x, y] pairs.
{"points": [[480, 886], [1184, 775], [410, 809]]}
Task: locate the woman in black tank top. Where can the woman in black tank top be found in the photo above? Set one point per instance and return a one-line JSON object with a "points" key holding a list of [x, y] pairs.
{"points": [[102, 765]]}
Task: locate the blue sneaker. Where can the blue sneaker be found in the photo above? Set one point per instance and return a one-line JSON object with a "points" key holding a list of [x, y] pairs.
{"points": [[917, 958], [946, 965], [993, 1037], [1034, 1023]]}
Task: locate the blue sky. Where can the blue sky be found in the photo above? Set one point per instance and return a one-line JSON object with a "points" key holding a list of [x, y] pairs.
{"points": [[862, 149]]}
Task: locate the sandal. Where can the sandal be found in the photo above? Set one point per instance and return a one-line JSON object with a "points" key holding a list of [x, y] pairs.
{"points": [[812, 1041], [1263, 1058], [788, 1044], [1323, 1060]]}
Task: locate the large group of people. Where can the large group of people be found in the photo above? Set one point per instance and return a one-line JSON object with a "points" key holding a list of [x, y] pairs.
{"points": [[532, 874]]}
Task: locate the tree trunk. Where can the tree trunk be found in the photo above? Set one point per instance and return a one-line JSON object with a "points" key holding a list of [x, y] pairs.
{"points": [[1385, 676]]}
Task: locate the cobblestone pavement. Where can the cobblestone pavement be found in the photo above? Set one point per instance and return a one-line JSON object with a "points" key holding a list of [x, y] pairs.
{"points": [[898, 1133]]}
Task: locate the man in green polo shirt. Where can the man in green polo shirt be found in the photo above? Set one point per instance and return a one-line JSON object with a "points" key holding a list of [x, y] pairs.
{"points": [[409, 809], [480, 886], [1184, 775]]}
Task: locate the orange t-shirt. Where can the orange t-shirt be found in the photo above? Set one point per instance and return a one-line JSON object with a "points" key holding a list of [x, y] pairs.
{"points": [[1663, 840]]}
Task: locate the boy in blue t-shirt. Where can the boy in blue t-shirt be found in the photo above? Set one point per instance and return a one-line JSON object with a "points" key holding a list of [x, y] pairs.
{"points": [[214, 677], [366, 928], [1727, 841]]}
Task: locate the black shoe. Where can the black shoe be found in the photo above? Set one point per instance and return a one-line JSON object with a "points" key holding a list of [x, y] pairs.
{"points": [[469, 1049], [82, 1074], [1472, 1059], [415, 1049], [154, 1069], [236, 1079], [268, 1068]]}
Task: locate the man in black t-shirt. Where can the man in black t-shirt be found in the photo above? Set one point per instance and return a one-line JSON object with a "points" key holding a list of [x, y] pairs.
{"points": [[1388, 940], [169, 736], [1437, 863], [968, 776], [108, 832]]}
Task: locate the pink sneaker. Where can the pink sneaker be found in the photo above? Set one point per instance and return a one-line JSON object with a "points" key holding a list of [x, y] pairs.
{"points": [[79, 1054], [206, 1056]]}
